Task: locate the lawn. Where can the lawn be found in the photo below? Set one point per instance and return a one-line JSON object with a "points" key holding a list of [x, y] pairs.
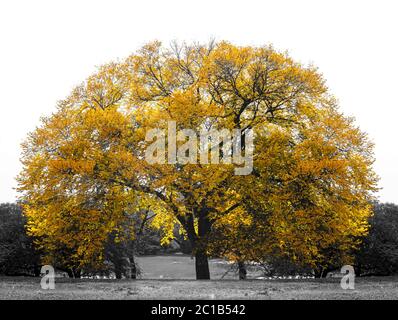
{"points": [[180, 266], [172, 277]]}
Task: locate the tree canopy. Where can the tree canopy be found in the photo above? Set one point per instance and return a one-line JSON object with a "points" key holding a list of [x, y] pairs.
{"points": [[85, 173]]}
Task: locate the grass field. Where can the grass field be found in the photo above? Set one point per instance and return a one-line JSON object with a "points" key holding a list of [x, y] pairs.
{"points": [[183, 267], [171, 277]]}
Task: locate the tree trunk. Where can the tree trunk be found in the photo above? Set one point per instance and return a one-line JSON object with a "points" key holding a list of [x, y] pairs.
{"points": [[118, 273], [133, 268], [118, 268], [70, 273], [36, 270], [242, 270], [319, 273], [358, 269], [202, 266], [77, 273], [198, 242]]}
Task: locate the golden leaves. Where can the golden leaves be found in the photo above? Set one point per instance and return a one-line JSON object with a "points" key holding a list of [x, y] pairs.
{"points": [[85, 174]]}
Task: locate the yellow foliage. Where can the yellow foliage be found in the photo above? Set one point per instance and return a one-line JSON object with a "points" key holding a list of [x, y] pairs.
{"points": [[84, 170]]}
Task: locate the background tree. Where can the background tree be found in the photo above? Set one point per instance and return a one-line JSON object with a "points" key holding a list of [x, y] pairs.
{"points": [[17, 253], [312, 179], [378, 254]]}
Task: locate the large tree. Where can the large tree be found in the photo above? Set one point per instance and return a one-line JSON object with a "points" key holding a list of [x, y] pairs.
{"points": [[85, 169]]}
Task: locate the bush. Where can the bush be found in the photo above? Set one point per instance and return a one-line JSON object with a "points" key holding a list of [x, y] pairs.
{"points": [[281, 266]]}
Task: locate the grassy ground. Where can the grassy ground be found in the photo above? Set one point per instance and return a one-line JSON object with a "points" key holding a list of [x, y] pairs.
{"points": [[183, 267], [159, 281]]}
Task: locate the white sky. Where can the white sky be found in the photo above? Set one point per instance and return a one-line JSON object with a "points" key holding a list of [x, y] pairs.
{"points": [[48, 47]]}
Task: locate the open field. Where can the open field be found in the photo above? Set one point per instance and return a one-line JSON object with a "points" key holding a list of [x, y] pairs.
{"points": [[181, 266], [161, 279], [366, 288]]}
